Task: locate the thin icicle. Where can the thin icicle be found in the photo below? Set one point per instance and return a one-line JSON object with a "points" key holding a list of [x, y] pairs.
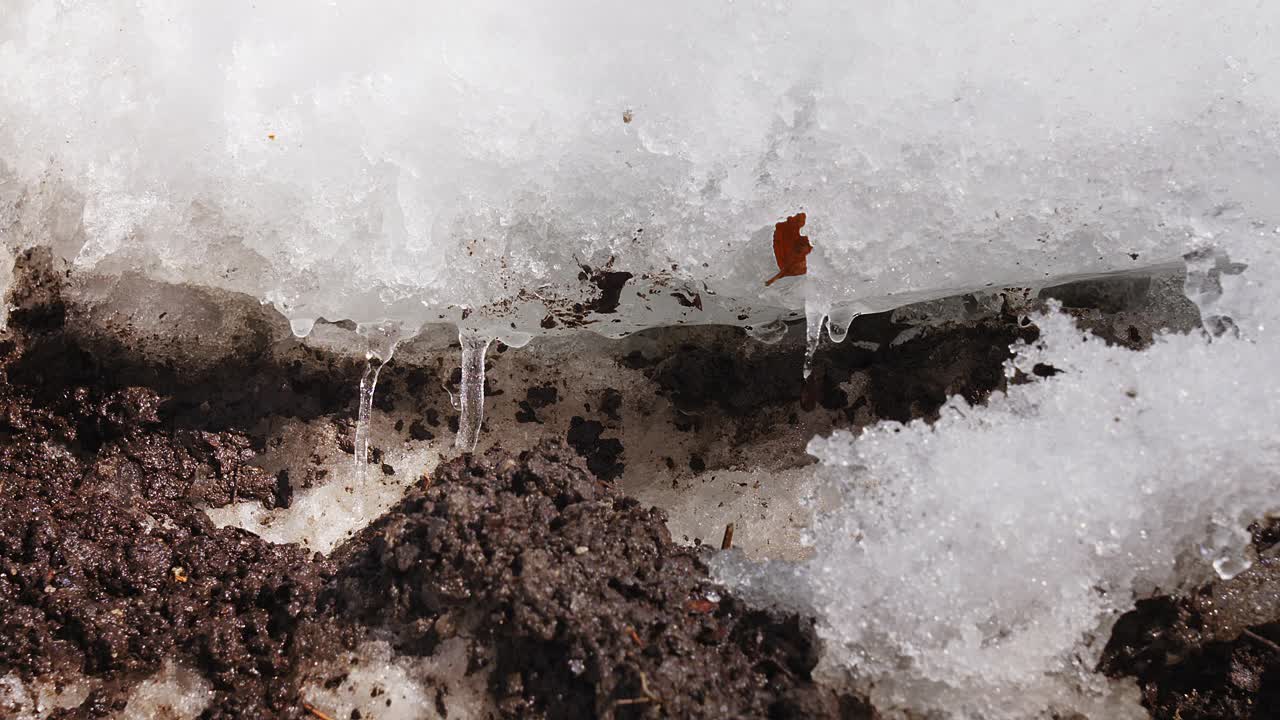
{"points": [[473, 350], [368, 381], [382, 339], [814, 318]]}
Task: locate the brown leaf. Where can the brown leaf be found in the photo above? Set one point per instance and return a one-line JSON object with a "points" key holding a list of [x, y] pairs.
{"points": [[700, 606], [316, 711], [790, 248]]}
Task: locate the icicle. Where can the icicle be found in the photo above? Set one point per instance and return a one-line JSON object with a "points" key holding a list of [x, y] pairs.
{"points": [[473, 349], [382, 339], [814, 318]]}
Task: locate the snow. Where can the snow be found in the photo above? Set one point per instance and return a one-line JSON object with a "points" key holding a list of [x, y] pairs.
{"points": [[35, 700], [174, 692], [322, 517], [973, 568], [407, 163]]}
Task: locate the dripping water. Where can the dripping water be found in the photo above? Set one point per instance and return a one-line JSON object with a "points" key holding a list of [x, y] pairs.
{"points": [[472, 405], [301, 327]]}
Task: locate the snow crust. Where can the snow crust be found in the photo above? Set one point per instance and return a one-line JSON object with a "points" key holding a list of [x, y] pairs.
{"points": [[407, 162], [973, 568]]}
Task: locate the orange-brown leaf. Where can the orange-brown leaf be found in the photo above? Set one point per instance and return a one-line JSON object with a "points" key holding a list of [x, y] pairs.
{"points": [[790, 248], [700, 606]]}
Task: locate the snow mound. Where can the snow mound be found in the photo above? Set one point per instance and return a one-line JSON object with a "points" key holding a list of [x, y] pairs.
{"points": [[528, 162], [973, 567]]}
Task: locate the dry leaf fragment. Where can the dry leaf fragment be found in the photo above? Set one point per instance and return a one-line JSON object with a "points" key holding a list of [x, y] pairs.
{"points": [[700, 606], [316, 712], [790, 248]]}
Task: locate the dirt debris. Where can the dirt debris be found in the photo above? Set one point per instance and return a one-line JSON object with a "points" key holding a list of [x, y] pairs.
{"points": [[1213, 653], [583, 594], [109, 566]]}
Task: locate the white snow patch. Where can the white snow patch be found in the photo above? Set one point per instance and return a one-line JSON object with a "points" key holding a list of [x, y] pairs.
{"points": [[381, 684], [174, 693], [320, 518], [35, 700], [973, 568], [407, 163]]}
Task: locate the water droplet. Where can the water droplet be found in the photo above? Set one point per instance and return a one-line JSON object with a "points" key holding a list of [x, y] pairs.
{"points": [[838, 321], [301, 327], [1228, 566], [515, 339]]}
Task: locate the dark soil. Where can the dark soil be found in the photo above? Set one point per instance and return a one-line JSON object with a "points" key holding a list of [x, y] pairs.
{"points": [[1212, 654], [907, 380], [108, 566], [592, 609], [602, 454]]}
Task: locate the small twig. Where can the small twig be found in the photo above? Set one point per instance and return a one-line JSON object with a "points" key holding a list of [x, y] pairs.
{"points": [[314, 711], [727, 542], [649, 696], [1265, 641]]}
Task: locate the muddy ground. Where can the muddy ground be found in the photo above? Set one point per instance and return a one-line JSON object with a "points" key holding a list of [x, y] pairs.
{"points": [[584, 605]]}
